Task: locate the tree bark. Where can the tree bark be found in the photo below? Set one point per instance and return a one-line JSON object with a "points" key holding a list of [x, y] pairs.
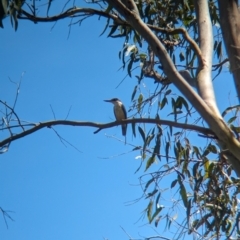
{"points": [[204, 74], [230, 25]]}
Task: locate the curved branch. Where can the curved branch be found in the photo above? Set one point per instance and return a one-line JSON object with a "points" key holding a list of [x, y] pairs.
{"points": [[185, 34], [72, 12], [101, 126]]}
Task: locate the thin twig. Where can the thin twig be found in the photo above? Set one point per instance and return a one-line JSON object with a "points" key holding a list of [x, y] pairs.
{"points": [[12, 112], [6, 215], [63, 140]]}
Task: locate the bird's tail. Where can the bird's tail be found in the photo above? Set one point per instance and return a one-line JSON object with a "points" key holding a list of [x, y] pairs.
{"points": [[124, 131]]}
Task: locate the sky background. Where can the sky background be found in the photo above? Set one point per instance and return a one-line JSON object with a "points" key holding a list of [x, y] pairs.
{"points": [[53, 190]]}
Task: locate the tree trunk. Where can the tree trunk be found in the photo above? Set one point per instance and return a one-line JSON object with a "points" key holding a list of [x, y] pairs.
{"points": [[230, 25]]}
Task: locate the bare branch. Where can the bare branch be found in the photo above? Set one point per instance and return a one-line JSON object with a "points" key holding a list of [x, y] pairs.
{"points": [[14, 113], [185, 34], [6, 215], [74, 12], [101, 126], [63, 140]]}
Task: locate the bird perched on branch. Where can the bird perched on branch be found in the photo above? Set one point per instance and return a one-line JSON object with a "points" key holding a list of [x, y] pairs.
{"points": [[119, 112]]}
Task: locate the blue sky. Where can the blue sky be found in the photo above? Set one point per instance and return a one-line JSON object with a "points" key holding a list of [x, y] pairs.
{"points": [[55, 191]]}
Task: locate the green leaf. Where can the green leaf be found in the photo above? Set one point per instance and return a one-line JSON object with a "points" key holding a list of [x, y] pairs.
{"points": [[219, 50], [189, 209], [181, 56], [104, 30], [113, 29], [123, 56], [158, 210], [167, 150], [170, 129], [184, 102], [129, 68], [232, 119], [209, 170], [168, 92], [215, 45], [149, 211], [211, 148], [183, 194], [150, 161], [175, 113], [12, 13], [152, 193], [140, 100], [235, 129], [148, 184], [134, 92], [229, 109], [157, 199], [146, 11], [176, 153], [134, 129], [149, 139], [174, 182], [136, 148], [109, 8], [194, 169], [142, 133], [157, 221], [183, 191], [179, 103], [196, 151], [156, 150], [142, 56], [18, 4], [3, 10], [15, 21], [163, 103], [173, 57], [137, 38], [186, 5]]}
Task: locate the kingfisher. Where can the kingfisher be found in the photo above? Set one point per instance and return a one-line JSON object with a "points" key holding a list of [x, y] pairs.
{"points": [[119, 112]]}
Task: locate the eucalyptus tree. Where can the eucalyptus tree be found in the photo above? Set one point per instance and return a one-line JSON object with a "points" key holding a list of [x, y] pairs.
{"points": [[180, 46]]}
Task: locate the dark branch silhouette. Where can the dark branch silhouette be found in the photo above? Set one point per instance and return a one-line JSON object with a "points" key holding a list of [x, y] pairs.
{"points": [[100, 126], [87, 12]]}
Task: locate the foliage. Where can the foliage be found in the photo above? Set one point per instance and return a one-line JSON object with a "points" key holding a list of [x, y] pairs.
{"points": [[202, 184]]}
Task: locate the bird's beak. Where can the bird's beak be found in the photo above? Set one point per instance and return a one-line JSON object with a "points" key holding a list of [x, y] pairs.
{"points": [[107, 100]]}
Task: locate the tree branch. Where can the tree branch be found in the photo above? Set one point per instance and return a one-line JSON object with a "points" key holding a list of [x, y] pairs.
{"points": [[72, 12], [204, 76], [185, 34], [100, 126]]}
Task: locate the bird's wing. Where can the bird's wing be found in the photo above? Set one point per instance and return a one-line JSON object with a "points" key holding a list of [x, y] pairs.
{"points": [[124, 110]]}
